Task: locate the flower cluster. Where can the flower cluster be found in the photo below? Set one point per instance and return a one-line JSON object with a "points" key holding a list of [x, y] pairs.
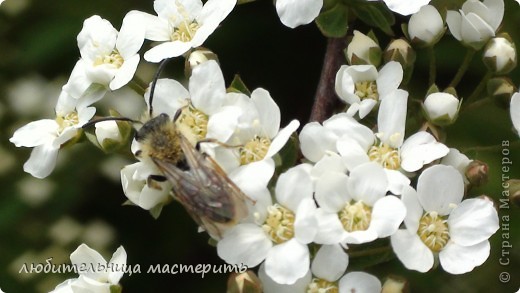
{"points": [[378, 171]]}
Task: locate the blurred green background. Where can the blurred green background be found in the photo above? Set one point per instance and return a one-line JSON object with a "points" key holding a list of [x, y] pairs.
{"points": [[82, 200]]}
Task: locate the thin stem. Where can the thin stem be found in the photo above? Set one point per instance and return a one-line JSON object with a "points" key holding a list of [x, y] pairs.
{"points": [[475, 104], [491, 148], [138, 85], [325, 98], [478, 90], [433, 69], [463, 68], [371, 251]]}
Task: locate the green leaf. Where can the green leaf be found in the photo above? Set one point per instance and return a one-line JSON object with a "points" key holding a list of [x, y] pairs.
{"points": [[288, 155], [333, 23], [238, 86], [376, 14]]}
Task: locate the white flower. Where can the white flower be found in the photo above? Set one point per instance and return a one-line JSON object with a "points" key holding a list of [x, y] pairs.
{"points": [[182, 25], [476, 22], [363, 87], [405, 7], [111, 58], [426, 26], [96, 274], [107, 130], [387, 146], [280, 235], [46, 136], [328, 265], [355, 209], [134, 179], [294, 13], [254, 125], [514, 110], [500, 55], [439, 224], [441, 108], [363, 50]]}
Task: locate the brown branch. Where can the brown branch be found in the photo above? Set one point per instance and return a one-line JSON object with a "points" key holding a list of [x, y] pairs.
{"points": [[325, 99]]}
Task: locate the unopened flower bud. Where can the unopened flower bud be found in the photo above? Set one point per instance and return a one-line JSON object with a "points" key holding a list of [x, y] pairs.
{"points": [[513, 188], [500, 55], [197, 57], [246, 282], [110, 135], [363, 50], [395, 284], [426, 27], [501, 89], [400, 50], [477, 173], [441, 108]]}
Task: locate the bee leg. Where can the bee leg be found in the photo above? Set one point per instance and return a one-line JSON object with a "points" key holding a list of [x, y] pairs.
{"points": [[212, 140], [153, 180]]}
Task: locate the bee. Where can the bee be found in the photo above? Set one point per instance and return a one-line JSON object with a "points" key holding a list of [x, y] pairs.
{"points": [[214, 201]]}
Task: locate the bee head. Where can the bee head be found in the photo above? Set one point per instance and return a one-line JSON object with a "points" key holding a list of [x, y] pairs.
{"points": [[159, 139]]}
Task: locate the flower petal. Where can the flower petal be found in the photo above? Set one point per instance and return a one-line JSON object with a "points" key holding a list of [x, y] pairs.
{"points": [[42, 160], [359, 282], [368, 183], [294, 13], [473, 221], [332, 191], [439, 187], [270, 286], [387, 214], [330, 229], [282, 137], [315, 140], [456, 259], [207, 87], [287, 262], [35, 133], [305, 223], [330, 262], [515, 111], [268, 110], [86, 255], [166, 50], [244, 244], [391, 118], [389, 78], [414, 210], [119, 259], [411, 251], [125, 73], [420, 149], [293, 186]]}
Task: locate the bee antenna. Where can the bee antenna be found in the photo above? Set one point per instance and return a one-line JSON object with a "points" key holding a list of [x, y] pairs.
{"points": [[93, 122], [154, 83]]}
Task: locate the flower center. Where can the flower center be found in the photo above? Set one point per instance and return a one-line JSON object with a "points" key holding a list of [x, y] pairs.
{"points": [[195, 120], [68, 120], [184, 30], [254, 150], [433, 231], [385, 155], [279, 224], [318, 285], [114, 59], [366, 90], [355, 216]]}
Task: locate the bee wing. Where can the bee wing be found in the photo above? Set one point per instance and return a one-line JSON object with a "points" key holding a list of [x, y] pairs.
{"points": [[212, 199]]}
